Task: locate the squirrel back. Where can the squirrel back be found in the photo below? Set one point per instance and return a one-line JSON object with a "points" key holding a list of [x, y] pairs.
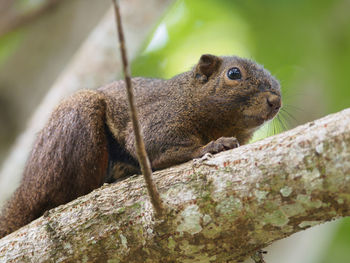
{"points": [[89, 140]]}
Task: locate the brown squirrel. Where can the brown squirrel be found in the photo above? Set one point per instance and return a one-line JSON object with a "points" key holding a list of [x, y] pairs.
{"points": [[89, 140]]}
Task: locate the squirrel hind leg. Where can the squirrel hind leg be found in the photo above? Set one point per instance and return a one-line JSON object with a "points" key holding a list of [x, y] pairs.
{"points": [[119, 171], [74, 148], [120, 163]]}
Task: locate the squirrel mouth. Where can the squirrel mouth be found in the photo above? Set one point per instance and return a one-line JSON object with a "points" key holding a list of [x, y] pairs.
{"points": [[255, 121], [259, 120], [274, 105], [263, 116], [272, 114]]}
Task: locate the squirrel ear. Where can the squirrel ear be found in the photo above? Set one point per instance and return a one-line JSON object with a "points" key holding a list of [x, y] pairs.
{"points": [[207, 65]]}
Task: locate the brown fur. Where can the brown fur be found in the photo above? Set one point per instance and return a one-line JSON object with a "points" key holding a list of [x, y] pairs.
{"points": [[89, 139]]}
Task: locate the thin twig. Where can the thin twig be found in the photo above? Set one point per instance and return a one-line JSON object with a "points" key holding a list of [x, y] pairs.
{"points": [[140, 146]]}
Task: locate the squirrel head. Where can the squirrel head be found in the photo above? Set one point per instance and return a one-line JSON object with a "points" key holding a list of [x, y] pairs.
{"points": [[239, 88]]}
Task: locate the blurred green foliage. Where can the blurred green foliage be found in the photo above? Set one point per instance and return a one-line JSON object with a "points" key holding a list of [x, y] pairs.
{"points": [[338, 251], [305, 44], [28, 5], [9, 44]]}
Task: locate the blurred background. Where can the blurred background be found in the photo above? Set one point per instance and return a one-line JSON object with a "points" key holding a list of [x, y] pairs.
{"points": [[305, 44]]}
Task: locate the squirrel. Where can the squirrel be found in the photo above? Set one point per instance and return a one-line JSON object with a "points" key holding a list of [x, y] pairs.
{"points": [[89, 140]]}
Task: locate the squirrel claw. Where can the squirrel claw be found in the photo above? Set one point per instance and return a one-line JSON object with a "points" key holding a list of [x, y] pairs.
{"points": [[221, 144], [200, 160]]}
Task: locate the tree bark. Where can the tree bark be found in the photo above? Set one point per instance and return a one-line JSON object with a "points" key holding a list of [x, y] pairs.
{"points": [[220, 209]]}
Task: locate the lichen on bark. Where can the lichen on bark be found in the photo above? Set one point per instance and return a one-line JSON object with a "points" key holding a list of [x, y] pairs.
{"points": [[221, 209]]}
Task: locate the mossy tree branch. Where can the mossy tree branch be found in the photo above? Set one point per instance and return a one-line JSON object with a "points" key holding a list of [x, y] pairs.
{"points": [[223, 209]]}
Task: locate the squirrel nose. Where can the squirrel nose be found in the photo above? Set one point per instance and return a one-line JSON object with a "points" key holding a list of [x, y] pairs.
{"points": [[274, 102]]}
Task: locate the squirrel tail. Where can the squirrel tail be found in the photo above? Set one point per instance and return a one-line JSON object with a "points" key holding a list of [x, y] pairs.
{"points": [[14, 214], [69, 159]]}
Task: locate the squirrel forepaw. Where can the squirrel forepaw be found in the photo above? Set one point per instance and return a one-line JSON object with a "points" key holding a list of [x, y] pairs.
{"points": [[221, 144]]}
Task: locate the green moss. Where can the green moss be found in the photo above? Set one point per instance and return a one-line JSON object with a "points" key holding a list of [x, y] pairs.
{"points": [[286, 191], [187, 248], [171, 244], [121, 210], [230, 206], [276, 218], [260, 195], [115, 260], [190, 220], [344, 197], [293, 209], [309, 223], [271, 205], [307, 202], [211, 231], [136, 206]]}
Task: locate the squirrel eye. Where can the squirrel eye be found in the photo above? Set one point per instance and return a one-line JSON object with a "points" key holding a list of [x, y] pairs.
{"points": [[234, 73]]}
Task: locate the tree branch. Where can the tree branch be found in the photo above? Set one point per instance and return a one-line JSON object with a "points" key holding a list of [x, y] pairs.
{"points": [[223, 209]]}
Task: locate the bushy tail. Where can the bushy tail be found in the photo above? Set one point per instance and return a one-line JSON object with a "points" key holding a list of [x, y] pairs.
{"points": [[69, 159], [14, 214]]}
